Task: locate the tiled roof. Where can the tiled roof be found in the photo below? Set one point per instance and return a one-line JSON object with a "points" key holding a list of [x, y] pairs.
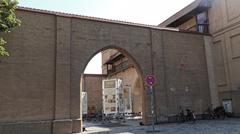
{"points": [[92, 18]]}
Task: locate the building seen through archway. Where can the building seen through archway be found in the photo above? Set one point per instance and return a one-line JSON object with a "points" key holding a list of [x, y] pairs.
{"points": [[117, 91]]}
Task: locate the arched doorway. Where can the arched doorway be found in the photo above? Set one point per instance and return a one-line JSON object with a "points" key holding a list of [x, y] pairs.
{"points": [[101, 106]]}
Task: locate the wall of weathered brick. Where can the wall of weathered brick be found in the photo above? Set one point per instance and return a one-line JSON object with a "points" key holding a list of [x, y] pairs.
{"points": [[49, 52], [180, 66]]}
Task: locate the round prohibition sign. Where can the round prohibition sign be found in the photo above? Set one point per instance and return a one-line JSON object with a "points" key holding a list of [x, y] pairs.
{"points": [[150, 80]]}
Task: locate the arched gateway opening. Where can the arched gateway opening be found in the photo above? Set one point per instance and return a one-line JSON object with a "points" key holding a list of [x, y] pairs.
{"points": [[112, 95]]}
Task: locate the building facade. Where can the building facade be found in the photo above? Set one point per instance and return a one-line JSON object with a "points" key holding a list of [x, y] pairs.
{"points": [[117, 65]]}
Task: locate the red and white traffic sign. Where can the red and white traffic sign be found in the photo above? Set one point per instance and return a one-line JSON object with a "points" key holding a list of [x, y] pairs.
{"points": [[150, 80]]}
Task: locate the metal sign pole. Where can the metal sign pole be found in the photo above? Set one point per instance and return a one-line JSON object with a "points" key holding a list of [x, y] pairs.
{"points": [[152, 109], [150, 81]]}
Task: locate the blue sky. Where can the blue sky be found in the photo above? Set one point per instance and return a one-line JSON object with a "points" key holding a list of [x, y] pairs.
{"points": [[140, 11]]}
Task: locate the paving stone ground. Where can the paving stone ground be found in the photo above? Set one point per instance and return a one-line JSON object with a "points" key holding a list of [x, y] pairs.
{"points": [[227, 126]]}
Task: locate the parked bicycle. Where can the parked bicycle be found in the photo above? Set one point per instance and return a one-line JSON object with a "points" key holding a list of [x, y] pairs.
{"points": [[218, 113], [189, 116]]}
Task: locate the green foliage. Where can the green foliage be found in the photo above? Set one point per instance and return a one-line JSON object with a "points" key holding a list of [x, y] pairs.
{"points": [[8, 21], [3, 51]]}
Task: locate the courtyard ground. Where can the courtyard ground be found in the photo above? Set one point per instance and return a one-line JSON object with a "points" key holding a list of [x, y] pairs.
{"points": [[227, 126]]}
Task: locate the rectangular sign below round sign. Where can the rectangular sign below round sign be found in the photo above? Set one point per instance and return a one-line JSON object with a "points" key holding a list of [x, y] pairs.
{"points": [[150, 80]]}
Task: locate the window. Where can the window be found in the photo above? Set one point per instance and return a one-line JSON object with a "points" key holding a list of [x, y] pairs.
{"points": [[202, 22]]}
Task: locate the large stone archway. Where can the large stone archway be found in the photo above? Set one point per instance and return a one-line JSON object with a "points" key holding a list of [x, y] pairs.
{"points": [[137, 73], [49, 53], [140, 55]]}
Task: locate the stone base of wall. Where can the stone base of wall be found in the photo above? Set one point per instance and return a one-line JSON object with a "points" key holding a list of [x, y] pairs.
{"points": [[27, 128], [42, 127], [62, 127]]}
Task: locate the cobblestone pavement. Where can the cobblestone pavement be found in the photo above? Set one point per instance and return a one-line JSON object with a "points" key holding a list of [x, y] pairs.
{"points": [[227, 126]]}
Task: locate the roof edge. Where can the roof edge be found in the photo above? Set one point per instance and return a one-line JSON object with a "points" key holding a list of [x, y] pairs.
{"points": [[183, 12], [69, 15]]}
